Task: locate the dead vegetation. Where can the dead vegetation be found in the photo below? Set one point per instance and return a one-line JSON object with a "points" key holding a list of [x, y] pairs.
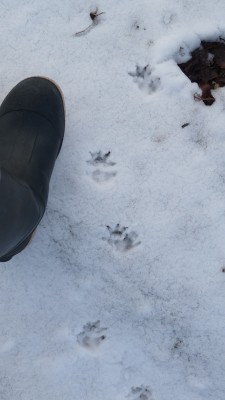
{"points": [[207, 68], [185, 125], [94, 17]]}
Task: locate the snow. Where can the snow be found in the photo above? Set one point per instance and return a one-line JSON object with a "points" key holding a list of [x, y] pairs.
{"points": [[88, 313]]}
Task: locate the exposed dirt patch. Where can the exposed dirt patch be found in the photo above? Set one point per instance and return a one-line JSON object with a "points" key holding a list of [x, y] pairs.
{"points": [[207, 68]]}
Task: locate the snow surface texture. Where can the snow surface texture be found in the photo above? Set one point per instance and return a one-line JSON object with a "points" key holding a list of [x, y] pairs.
{"points": [[84, 316]]}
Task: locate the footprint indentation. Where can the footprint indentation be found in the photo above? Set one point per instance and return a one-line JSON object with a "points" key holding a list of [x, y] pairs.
{"points": [[145, 79], [92, 335], [101, 176], [102, 160], [140, 393], [120, 239], [168, 18]]}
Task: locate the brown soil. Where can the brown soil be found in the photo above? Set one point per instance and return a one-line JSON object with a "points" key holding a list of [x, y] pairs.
{"points": [[207, 68]]}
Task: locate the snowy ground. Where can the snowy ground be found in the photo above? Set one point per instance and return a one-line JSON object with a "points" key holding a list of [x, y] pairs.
{"points": [[87, 313]]}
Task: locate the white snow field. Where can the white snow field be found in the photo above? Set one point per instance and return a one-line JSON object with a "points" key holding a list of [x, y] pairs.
{"points": [[95, 313]]}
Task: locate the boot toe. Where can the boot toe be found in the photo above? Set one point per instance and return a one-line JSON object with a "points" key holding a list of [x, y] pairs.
{"points": [[39, 95]]}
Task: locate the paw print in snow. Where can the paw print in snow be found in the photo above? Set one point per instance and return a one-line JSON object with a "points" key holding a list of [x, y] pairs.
{"points": [[102, 176], [121, 240], [140, 393], [101, 159], [145, 80], [92, 335], [141, 72], [168, 18]]}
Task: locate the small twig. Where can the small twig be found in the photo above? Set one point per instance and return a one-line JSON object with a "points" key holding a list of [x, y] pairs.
{"points": [[85, 30], [198, 97], [184, 125], [93, 16], [207, 99]]}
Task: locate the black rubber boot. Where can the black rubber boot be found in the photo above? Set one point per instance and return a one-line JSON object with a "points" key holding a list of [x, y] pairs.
{"points": [[32, 123]]}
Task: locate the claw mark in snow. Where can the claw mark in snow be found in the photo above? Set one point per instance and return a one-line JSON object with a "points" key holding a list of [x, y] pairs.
{"points": [[100, 158]]}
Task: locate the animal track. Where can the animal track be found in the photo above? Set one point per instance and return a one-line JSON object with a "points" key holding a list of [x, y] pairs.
{"points": [[121, 240], [200, 141], [141, 72], [177, 347], [140, 393], [101, 159], [92, 335], [144, 78], [168, 18], [138, 26], [101, 176]]}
